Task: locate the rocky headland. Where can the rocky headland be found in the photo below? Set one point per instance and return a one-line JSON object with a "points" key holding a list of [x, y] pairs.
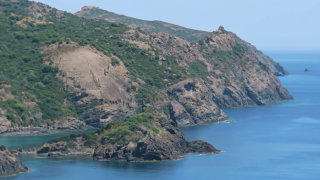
{"points": [[137, 86], [142, 137]]}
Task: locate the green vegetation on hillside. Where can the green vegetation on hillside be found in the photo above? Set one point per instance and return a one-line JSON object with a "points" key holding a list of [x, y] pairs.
{"points": [[198, 69], [90, 139], [120, 132], [124, 131], [224, 60], [24, 68], [152, 26]]}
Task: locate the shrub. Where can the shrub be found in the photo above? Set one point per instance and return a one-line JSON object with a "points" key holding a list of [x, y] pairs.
{"points": [[198, 69]]}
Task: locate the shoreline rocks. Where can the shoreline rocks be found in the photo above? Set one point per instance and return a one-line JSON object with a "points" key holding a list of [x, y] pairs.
{"points": [[70, 124], [10, 164], [201, 147], [149, 138], [133, 152]]}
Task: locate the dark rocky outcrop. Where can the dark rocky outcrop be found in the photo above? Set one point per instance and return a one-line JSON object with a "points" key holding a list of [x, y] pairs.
{"points": [[241, 75], [238, 75], [201, 147], [193, 104], [160, 140], [10, 164]]}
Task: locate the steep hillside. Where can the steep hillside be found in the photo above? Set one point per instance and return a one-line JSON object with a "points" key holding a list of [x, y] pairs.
{"points": [[62, 72], [223, 72], [91, 12]]}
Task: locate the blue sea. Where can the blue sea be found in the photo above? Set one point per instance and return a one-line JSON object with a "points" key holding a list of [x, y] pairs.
{"points": [[280, 141]]}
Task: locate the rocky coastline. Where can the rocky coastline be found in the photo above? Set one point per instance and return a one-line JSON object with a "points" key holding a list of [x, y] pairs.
{"points": [[136, 87], [219, 71], [10, 164], [44, 130], [141, 142]]}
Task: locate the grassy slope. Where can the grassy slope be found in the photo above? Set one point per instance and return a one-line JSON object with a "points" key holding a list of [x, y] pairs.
{"points": [[152, 26]]}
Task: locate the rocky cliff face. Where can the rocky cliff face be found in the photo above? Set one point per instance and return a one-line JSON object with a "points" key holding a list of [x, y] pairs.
{"points": [[236, 75], [10, 164], [92, 72], [94, 78], [221, 42], [225, 41], [160, 140], [241, 75], [193, 104], [136, 85]]}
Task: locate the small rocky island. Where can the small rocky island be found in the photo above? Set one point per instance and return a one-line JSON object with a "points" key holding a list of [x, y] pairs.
{"points": [[10, 164], [142, 137]]}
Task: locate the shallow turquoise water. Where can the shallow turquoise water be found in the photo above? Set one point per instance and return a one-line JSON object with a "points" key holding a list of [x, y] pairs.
{"points": [[279, 141]]}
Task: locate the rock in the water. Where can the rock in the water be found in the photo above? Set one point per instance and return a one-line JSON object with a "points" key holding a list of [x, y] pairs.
{"points": [[199, 146], [143, 137], [10, 164]]}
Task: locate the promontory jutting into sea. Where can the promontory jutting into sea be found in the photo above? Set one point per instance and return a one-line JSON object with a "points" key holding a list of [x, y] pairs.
{"points": [[94, 86]]}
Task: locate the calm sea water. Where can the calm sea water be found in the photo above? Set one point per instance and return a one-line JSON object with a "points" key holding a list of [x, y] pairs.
{"points": [[279, 141]]}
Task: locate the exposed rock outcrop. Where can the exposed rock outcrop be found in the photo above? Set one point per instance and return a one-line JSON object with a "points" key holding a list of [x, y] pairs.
{"points": [[152, 140], [238, 75], [94, 78], [67, 124], [183, 33], [4, 124], [10, 164], [222, 41], [193, 104], [241, 75], [201, 147]]}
